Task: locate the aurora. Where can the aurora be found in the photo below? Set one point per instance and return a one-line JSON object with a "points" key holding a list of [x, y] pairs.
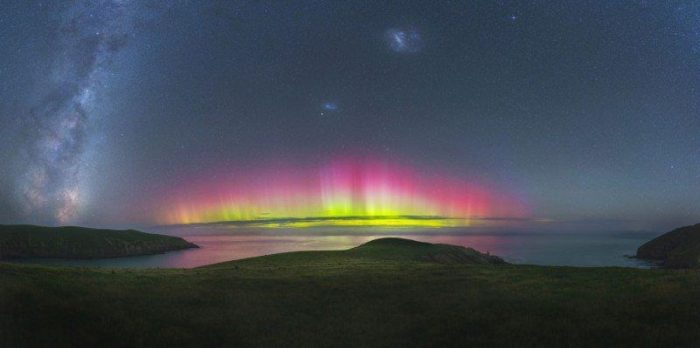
{"points": [[344, 192]]}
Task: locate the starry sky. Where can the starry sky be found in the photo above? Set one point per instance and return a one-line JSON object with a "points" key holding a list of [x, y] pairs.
{"points": [[587, 113]]}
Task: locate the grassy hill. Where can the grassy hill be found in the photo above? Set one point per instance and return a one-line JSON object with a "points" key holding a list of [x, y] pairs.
{"points": [[385, 293], [28, 241], [410, 250], [679, 248], [378, 250]]}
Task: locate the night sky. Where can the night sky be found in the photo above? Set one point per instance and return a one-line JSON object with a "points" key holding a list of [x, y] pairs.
{"points": [[585, 113]]}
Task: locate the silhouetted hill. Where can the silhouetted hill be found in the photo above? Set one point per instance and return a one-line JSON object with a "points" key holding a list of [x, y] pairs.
{"points": [[406, 249], [28, 241], [383, 250], [679, 248]]}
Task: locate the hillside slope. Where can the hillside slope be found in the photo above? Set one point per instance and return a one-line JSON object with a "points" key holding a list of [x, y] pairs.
{"points": [[28, 241], [679, 248]]}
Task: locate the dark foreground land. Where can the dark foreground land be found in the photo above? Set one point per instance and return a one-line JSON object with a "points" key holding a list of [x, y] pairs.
{"points": [[70, 242], [387, 293]]}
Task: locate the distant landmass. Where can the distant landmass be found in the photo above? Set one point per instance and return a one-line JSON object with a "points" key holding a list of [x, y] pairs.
{"points": [[679, 248], [29, 241], [356, 221]]}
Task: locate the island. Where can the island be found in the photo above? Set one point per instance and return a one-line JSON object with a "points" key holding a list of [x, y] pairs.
{"points": [[679, 248], [385, 293], [70, 242]]}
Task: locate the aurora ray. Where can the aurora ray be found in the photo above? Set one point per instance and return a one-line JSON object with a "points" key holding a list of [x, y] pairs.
{"points": [[342, 193]]}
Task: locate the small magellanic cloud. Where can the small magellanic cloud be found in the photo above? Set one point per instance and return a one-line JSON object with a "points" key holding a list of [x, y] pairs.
{"points": [[329, 106]]}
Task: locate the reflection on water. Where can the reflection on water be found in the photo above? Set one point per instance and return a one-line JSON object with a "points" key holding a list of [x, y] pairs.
{"points": [[220, 244]]}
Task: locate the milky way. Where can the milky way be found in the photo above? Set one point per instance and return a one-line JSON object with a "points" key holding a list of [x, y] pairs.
{"points": [[58, 126]]}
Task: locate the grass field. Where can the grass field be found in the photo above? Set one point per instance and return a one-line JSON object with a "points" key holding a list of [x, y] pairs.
{"points": [[389, 294]]}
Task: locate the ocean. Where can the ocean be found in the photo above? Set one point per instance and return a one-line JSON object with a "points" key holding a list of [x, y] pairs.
{"points": [[225, 243]]}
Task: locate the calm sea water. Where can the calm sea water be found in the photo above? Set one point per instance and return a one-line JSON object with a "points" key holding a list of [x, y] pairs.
{"points": [[220, 244]]}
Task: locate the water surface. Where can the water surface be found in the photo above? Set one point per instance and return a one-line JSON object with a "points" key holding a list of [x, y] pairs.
{"points": [[220, 244]]}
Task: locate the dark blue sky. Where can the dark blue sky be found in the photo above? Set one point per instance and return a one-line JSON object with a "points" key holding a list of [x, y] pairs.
{"points": [[589, 110]]}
